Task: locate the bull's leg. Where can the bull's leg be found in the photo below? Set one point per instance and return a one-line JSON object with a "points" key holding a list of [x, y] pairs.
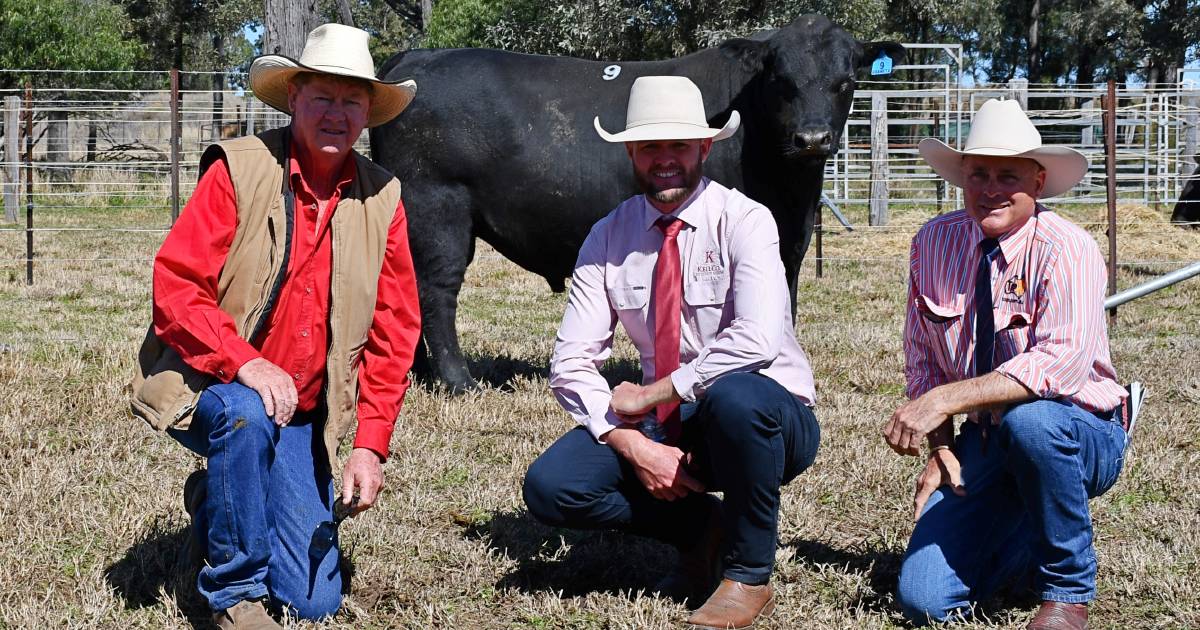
{"points": [[441, 253]]}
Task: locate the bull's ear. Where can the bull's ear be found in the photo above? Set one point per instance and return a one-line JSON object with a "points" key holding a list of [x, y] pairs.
{"points": [[749, 52], [871, 52]]}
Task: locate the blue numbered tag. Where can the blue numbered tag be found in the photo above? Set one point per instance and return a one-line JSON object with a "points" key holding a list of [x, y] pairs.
{"points": [[882, 65]]}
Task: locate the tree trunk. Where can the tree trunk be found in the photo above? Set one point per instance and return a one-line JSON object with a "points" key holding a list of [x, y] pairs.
{"points": [[426, 14], [287, 25], [1034, 64], [58, 144], [345, 16], [90, 156], [218, 102], [1085, 65]]}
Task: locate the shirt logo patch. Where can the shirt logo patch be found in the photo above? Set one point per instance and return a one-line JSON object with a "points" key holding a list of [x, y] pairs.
{"points": [[711, 267], [1014, 290]]}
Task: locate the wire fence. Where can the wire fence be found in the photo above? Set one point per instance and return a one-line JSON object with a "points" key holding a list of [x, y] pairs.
{"points": [[100, 150]]}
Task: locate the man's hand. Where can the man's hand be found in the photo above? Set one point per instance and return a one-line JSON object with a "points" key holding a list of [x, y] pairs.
{"points": [[913, 421], [364, 470], [942, 469], [628, 401], [659, 467], [275, 386]]}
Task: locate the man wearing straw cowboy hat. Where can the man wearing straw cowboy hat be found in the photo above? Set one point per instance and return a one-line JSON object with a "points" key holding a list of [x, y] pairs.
{"points": [[285, 315], [691, 270], [1006, 324]]}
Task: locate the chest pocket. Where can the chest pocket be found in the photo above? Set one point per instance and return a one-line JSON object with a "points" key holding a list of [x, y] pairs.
{"points": [[628, 297], [707, 290], [1013, 330], [944, 325]]}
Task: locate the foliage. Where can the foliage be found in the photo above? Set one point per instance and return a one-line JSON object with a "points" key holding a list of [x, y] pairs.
{"points": [[391, 32], [1061, 41], [65, 35], [194, 35], [463, 24]]}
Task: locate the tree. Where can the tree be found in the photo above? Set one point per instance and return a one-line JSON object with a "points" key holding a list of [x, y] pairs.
{"points": [[65, 35], [287, 25], [628, 29]]}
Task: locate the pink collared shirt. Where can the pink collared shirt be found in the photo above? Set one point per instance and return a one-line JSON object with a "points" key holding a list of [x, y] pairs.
{"points": [[736, 313], [1048, 287]]}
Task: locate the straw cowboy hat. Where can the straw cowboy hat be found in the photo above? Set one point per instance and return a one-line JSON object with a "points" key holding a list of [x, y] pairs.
{"points": [[333, 49], [667, 108], [1000, 128]]}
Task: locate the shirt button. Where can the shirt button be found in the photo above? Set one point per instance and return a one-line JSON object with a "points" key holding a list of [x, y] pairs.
{"points": [[314, 206], [308, 289], [296, 376], [303, 333]]}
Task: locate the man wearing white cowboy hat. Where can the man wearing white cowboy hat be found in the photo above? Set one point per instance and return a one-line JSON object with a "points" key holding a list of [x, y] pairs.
{"points": [[691, 270], [285, 314], [1006, 324]]}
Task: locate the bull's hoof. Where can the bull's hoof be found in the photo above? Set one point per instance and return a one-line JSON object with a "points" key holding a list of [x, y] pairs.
{"points": [[460, 386]]}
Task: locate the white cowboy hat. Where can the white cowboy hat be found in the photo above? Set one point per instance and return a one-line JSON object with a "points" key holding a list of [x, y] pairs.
{"points": [[1000, 128], [667, 108], [334, 49]]}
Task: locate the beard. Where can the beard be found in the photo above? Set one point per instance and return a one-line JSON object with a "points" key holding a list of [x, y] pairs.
{"points": [[691, 180]]}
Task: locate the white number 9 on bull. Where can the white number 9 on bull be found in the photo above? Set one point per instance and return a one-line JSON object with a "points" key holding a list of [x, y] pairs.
{"points": [[612, 72]]}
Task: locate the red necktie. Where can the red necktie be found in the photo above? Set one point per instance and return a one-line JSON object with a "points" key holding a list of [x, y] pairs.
{"points": [[666, 289]]}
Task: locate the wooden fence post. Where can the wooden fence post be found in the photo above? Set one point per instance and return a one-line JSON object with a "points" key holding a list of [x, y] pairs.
{"points": [[1020, 92], [1110, 163], [1087, 134], [176, 128], [879, 165], [12, 157], [29, 183]]}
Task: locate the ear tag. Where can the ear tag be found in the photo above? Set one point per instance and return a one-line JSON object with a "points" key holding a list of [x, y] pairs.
{"points": [[882, 65]]}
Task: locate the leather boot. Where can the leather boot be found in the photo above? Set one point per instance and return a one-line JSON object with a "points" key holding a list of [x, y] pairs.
{"points": [[734, 606], [1060, 616], [248, 614]]}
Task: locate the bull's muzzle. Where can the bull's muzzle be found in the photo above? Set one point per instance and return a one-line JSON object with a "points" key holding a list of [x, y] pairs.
{"points": [[815, 141]]}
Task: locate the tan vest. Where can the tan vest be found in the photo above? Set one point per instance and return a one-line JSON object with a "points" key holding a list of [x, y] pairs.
{"points": [[165, 389]]}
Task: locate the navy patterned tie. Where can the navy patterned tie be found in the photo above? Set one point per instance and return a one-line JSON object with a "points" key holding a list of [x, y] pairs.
{"points": [[985, 324]]}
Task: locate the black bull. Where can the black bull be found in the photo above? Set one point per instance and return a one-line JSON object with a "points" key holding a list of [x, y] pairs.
{"points": [[500, 146], [1187, 209]]}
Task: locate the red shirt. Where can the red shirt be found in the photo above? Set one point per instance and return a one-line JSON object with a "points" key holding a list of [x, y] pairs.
{"points": [[296, 336]]}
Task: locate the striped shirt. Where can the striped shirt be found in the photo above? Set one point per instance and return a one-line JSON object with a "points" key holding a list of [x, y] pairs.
{"points": [[1048, 288]]}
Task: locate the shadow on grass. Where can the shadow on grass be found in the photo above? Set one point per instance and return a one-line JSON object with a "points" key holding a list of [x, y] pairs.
{"points": [[882, 569], [154, 566], [499, 372], [572, 562], [157, 565]]}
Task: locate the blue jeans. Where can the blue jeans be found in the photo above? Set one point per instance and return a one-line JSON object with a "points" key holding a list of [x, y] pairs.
{"points": [[748, 436], [1025, 514], [268, 489]]}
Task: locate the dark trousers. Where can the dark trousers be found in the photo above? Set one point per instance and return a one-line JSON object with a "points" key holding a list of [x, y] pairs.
{"points": [[748, 436]]}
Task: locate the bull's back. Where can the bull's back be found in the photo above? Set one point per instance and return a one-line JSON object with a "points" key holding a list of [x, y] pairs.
{"points": [[510, 136]]}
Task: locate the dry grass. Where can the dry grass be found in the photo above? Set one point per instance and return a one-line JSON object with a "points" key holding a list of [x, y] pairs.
{"points": [[92, 518]]}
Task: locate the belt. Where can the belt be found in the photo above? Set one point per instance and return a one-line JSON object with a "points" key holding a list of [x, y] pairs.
{"points": [[1118, 414]]}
